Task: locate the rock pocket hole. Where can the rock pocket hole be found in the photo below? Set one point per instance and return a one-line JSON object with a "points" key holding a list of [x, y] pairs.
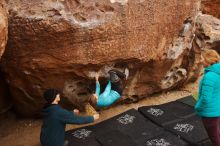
{"points": [[104, 8], [132, 99], [82, 94], [80, 84], [79, 17]]}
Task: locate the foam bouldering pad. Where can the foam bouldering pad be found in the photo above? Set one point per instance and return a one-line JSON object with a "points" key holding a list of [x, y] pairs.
{"points": [[166, 139], [191, 130], [167, 113], [130, 123], [115, 138], [189, 100], [81, 137]]}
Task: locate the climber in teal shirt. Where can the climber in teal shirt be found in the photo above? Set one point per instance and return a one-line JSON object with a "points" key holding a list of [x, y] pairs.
{"points": [[108, 97], [113, 89]]}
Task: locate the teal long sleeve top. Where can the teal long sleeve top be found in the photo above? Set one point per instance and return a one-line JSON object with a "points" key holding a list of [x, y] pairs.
{"points": [[208, 104], [55, 120], [108, 97]]}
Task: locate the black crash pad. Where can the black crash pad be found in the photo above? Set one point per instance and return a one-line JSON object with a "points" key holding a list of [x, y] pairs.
{"points": [[167, 113], [81, 137], [191, 130], [166, 139], [130, 123], [189, 100], [115, 138]]}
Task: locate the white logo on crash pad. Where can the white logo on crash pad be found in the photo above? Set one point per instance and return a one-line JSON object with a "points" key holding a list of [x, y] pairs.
{"points": [[82, 133], [155, 112], [126, 119], [185, 128], [158, 142]]}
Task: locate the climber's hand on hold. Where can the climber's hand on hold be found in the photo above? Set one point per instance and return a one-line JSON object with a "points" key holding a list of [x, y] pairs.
{"points": [[76, 111], [97, 76]]}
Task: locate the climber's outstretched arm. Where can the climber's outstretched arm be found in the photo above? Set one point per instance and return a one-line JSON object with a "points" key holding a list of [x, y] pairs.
{"points": [[97, 90]]}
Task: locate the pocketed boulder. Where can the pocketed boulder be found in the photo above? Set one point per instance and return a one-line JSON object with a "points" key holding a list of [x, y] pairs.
{"points": [[62, 43]]}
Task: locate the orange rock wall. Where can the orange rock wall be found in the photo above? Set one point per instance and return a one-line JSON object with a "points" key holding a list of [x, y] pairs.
{"points": [[211, 7], [60, 44]]}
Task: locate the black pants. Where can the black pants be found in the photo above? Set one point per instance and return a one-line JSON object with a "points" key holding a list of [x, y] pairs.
{"points": [[212, 127], [119, 74], [117, 86]]}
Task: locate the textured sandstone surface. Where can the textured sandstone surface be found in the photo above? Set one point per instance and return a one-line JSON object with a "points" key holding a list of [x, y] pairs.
{"points": [[208, 32], [3, 27], [211, 7], [4, 102], [61, 43]]}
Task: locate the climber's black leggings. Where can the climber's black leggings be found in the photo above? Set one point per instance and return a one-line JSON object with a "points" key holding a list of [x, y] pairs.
{"points": [[117, 87]]}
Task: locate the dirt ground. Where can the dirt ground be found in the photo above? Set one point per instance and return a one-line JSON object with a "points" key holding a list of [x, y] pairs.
{"points": [[15, 131]]}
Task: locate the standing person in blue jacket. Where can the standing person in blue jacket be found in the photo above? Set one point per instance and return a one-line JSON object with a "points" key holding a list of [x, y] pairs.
{"points": [[208, 104], [56, 118], [113, 89]]}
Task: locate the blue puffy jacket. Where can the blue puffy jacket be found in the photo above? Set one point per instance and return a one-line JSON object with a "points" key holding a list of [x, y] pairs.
{"points": [[208, 104]]}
